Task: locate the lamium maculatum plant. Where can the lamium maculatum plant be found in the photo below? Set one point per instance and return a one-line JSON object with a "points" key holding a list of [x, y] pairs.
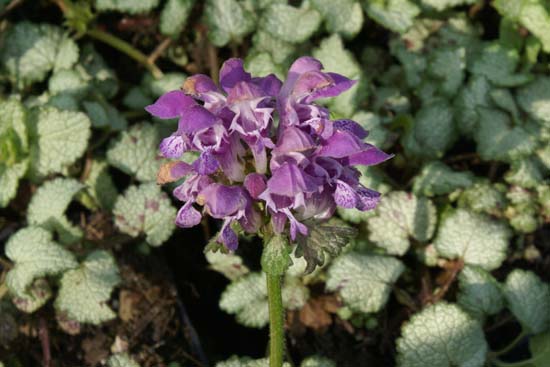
{"points": [[270, 161]]}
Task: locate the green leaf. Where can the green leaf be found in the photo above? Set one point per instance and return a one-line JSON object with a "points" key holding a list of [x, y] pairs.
{"points": [[317, 361], [364, 281], [69, 82], [247, 299], [540, 350], [483, 197], [168, 82], [31, 51], [137, 98], [236, 361], [36, 296], [441, 5], [528, 299], [473, 237], [280, 51], [9, 180], [228, 21], [104, 115], [342, 17], [147, 210], [525, 173], [532, 14], [504, 99], [436, 178], [173, 17], [281, 20], [432, 133], [95, 70], [447, 65], [100, 185], [276, 255], [58, 139], [497, 139], [121, 360], [400, 216], [135, 152], [479, 293], [498, 64], [323, 239], [262, 64], [396, 15], [230, 265], [48, 205], [534, 98], [441, 335], [473, 95], [85, 291], [35, 255], [379, 135], [126, 6]]}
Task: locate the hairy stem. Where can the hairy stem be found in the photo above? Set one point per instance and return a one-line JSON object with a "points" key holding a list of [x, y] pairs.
{"points": [[126, 48], [276, 320]]}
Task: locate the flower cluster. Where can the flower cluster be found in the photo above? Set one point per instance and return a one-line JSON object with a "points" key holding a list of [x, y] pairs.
{"points": [[266, 150]]}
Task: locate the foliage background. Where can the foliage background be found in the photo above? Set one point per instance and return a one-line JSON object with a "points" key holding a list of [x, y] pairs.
{"points": [[448, 271]]}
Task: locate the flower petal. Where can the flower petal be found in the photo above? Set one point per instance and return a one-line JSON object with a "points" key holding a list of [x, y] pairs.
{"points": [[188, 216], [196, 118], [171, 105], [293, 139], [206, 164], [351, 126], [222, 201], [228, 237], [255, 184], [198, 84], [172, 146], [270, 84], [345, 196], [289, 180], [173, 171], [341, 144], [231, 73], [340, 84], [370, 156], [368, 199]]}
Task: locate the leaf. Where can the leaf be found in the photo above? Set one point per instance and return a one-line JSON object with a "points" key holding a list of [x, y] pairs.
{"points": [[58, 139], [280, 51], [473, 95], [400, 216], [31, 51], [230, 265], [147, 210], [69, 82], [104, 115], [247, 299], [121, 360], [95, 70], [525, 173], [323, 239], [534, 98], [364, 281], [101, 186], [483, 197], [497, 140], [379, 135], [342, 17], [532, 14], [396, 15], [528, 299], [48, 205], [126, 6], [84, 291], [35, 255], [540, 350], [447, 65], [436, 178], [280, 21], [441, 5], [479, 293], [9, 181], [168, 82], [317, 361], [498, 64], [473, 237], [135, 152], [35, 297], [441, 335], [504, 99], [262, 64], [173, 17], [236, 361], [228, 21], [432, 133]]}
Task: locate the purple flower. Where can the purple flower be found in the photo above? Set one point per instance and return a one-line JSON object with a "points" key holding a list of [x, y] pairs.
{"points": [[267, 153]]}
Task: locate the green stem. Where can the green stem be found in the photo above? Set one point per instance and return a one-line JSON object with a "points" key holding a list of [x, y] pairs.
{"points": [[126, 48], [276, 320], [510, 346]]}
